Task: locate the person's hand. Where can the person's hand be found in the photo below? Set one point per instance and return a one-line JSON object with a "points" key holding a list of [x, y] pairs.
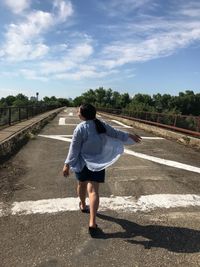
{"points": [[66, 170], [135, 138]]}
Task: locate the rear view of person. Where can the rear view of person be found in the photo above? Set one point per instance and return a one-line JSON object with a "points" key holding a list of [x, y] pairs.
{"points": [[95, 146]]}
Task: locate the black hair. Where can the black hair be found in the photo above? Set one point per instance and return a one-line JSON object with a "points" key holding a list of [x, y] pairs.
{"points": [[88, 111]]}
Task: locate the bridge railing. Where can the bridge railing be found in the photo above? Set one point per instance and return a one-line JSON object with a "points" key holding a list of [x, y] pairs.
{"points": [[11, 115], [181, 123]]}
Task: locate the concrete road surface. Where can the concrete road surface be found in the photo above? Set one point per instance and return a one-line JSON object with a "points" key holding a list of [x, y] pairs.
{"points": [[149, 211]]}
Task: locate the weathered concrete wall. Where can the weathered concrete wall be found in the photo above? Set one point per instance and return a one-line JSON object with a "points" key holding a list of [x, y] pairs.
{"points": [[178, 137], [12, 144]]}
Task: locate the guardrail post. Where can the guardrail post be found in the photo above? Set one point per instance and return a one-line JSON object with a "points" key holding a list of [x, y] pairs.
{"points": [[27, 113], [9, 116], [158, 118], [175, 118], [198, 124], [19, 110]]}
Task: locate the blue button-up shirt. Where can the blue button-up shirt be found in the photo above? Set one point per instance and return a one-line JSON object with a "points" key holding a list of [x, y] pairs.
{"points": [[96, 151]]}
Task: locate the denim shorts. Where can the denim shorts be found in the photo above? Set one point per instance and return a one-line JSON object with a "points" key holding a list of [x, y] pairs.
{"points": [[87, 175]]}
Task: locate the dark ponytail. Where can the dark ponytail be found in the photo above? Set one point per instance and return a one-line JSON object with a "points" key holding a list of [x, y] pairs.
{"points": [[99, 126], [88, 111]]}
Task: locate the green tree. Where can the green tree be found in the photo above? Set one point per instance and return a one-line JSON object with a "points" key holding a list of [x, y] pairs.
{"points": [[108, 98], [63, 102], [100, 97], [116, 100], [90, 97], [141, 102], [10, 100], [20, 100], [78, 101], [125, 100]]}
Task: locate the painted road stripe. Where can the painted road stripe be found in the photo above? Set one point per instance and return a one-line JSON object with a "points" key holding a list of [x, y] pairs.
{"points": [[71, 124], [120, 123], [117, 203], [169, 163], [68, 124], [166, 162], [152, 138], [143, 137], [57, 137], [70, 135], [61, 121]]}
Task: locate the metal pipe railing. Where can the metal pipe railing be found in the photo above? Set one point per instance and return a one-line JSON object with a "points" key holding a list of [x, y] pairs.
{"points": [[181, 123], [11, 115]]}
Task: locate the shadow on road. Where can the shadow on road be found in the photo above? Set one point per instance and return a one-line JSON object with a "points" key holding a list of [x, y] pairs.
{"points": [[176, 239]]}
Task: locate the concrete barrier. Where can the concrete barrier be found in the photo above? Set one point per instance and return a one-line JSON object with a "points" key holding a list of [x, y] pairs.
{"points": [[10, 145], [178, 137]]}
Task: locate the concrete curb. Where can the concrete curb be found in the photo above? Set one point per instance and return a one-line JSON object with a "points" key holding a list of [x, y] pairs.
{"points": [[180, 138], [13, 143]]}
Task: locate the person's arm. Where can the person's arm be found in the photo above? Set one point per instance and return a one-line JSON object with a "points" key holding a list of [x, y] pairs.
{"points": [[66, 170], [123, 136], [74, 151]]}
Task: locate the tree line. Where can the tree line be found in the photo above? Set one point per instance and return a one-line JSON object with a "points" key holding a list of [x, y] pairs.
{"points": [[185, 103], [21, 100]]}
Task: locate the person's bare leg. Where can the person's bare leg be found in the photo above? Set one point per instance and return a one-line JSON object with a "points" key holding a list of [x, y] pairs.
{"points": [[93, 193], [82, 192]]}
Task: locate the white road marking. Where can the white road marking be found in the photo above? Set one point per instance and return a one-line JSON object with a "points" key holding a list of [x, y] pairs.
{"points": [[65, 135], [71, 124], [118, 203], [61, 121], [57, 137], [152, 138], [120, 123], [166, 162], [143, 137]]}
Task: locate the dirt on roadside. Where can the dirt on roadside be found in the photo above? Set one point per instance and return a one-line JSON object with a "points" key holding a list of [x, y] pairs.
{"points": [[9, 179]]}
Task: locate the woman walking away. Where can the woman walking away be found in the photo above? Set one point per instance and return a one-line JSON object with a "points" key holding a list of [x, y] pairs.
{"points": [[95, 146]]}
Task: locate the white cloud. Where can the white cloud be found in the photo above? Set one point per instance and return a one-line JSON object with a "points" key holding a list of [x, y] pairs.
{"points": [[24, 41], [158, 40], [31, 75], [81, 51], [17, 6], [71, 59], [63, 10], [53, 67], [4, 92], [189, 9], [131, 40], [87, 72], [119, 8]]}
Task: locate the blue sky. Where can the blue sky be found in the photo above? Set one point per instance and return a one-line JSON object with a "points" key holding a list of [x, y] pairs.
{"points": [[64, 48]]}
